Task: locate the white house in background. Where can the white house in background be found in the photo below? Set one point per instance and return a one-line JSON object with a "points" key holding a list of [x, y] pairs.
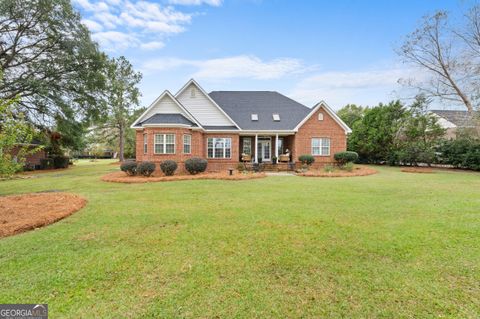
{"points": [[453, 120]]}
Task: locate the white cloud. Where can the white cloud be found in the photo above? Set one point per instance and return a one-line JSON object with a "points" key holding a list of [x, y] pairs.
{"points": [[214, 3], [340, 88], [145, 24], [152, 45], [242, 66], [114, 40], [92, 25]]}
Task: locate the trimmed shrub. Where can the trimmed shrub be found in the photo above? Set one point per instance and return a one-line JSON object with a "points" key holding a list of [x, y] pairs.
{"points": [[196, 165], [306, 159], [462, 153], [60, 162], [130, 168], [46, 163], [146, 168], [168, 167], [343, 158], [348, 167]]}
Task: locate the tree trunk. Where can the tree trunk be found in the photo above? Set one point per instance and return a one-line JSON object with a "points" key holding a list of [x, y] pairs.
{"points": [[121, 145]]}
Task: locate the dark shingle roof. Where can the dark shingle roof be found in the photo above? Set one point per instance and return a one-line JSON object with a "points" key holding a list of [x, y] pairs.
{"points": [[167, 118], [459, 118], [239, 105], [220, 128]]}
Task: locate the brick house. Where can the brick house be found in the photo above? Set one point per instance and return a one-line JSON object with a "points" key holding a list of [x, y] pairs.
{"points": [[230, 127]]}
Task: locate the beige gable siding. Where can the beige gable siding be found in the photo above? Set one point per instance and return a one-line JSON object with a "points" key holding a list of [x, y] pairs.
{"points": [[202, 108], [164, 106]]}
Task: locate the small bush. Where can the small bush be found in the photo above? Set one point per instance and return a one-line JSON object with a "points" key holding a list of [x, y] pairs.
{"points": [[329, 168], [241, 167], [168, 167], [46, 163], [306, 159], [146, 168], [343, 158], [60, 162], [130, 168], [347, 167], [196, 165]]}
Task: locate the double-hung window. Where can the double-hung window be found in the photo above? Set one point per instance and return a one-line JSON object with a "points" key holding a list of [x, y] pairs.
{"points": [[187, 144], [321, 146], [145, 144], [219, 147], [247, 146], [164, 144]]}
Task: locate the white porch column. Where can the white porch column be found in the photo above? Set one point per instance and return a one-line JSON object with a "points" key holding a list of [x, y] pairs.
{"points": [[276, 146], [256, 148]]}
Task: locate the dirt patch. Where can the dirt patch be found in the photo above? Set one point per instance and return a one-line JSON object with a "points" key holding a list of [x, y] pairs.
{"points": [[121, 177], [19, 213], [357, 171], [421, 170]]}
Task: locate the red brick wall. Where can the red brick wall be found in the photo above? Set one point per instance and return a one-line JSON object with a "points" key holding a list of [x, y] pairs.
{"points": [[31, 159], [328, 127], [198, 148]]}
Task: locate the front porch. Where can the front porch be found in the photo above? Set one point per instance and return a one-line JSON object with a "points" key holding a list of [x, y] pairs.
{"points": [[269, 149]]}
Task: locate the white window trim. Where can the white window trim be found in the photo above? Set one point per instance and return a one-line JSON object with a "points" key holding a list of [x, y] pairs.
{"points": [[321, 145], [145, 143], [224, 148], [189, 144], [164, 148]]}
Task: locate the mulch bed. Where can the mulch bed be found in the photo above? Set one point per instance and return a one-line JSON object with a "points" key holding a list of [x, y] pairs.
{"points": [[19, 213], [121, 177], [357, 171], [421, 170]]}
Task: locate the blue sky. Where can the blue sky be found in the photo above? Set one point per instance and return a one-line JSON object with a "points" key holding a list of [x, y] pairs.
{"points": [[338, 51]]}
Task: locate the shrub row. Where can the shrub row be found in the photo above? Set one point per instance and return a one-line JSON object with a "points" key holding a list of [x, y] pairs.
{"points": [[54, 162], [342, 158], [460, 153], [193, 165]]}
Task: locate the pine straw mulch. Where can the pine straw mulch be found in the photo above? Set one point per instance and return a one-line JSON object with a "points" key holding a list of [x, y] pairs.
{"points": [[357, 171], [421, 170], [121, 177], [19, 213]]}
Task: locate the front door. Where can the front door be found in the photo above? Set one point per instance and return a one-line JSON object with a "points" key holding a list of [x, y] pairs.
{"points": [[264, 149]]}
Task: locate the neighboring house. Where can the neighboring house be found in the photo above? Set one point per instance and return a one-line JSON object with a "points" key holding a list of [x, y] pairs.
{"points": [[32, 160], [228, 127], [452, 121]]}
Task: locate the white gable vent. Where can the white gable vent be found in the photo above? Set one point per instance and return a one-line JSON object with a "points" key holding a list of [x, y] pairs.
{"points": [[254, 117], [276, 117], [192, 92], [320, 116]]}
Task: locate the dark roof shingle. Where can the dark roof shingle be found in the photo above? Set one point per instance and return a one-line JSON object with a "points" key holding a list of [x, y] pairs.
{"points": [[240, 105], [167, 118], [459, 118]]}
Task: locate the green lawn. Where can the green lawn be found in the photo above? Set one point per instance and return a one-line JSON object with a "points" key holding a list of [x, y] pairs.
{"points": [[388, 245]]}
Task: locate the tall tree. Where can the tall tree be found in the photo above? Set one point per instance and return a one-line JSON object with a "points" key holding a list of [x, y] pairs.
{"points": [[448, 56], [373, 137], [15, 135], [49, 61], [351, 113], [420, 134], [122, 98]]}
